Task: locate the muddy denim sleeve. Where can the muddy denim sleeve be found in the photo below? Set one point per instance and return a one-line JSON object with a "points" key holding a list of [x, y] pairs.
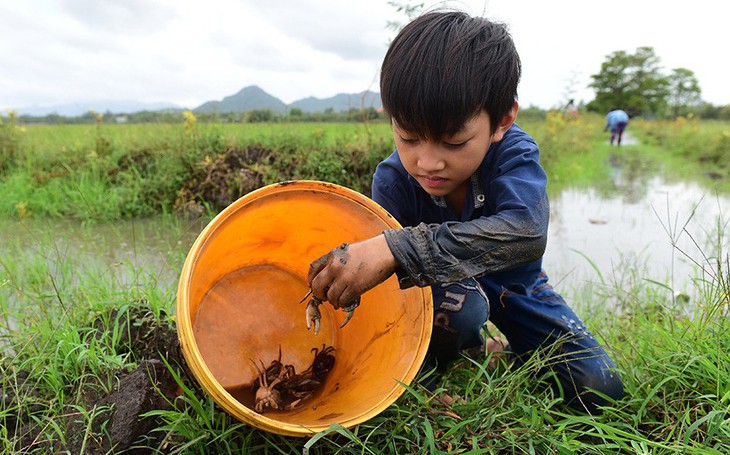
{"points": [[452, 251]]}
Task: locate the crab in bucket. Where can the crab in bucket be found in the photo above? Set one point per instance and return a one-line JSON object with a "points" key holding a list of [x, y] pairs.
{"points": [[279, 387]]}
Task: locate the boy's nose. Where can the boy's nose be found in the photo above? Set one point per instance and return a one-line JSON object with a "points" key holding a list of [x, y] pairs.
{"points": [[430, 159]]}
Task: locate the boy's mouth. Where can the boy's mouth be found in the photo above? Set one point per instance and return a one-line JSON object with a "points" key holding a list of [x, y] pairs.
{"points": [[433, 181]]}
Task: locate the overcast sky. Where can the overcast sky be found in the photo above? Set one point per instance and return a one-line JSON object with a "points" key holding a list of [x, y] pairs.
{"points": [[187, 52]]}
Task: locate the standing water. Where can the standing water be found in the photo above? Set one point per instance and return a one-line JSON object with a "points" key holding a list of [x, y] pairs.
{"points": [[593, 237], [659, 235]]}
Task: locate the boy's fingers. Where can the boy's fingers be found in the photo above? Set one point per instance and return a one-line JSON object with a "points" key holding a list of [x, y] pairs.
{"points": [[348, 271], [334, 295], [320, 286], [348, 296], [340, 294], [317, 266]]}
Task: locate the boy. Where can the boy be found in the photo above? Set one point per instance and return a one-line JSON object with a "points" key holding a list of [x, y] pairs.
{"points": [[466, 184]]}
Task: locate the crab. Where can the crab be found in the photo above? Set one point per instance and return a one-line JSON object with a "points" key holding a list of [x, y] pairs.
{"points": [[279, 387], [314, 315], [323, 362], [303, 385], [266, 395]]}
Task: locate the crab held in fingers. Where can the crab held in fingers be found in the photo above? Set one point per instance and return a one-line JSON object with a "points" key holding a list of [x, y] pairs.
{"points": [[314, 316]]}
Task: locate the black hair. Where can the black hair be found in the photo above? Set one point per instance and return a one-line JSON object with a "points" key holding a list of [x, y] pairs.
{"points": [[444, 68]]}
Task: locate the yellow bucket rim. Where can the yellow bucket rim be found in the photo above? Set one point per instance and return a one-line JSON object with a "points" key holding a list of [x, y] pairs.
{"points": [[205, 377]]}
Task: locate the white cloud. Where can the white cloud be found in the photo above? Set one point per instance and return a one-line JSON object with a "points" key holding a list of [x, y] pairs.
{"points": [[128, 17], [189, 52], [351, 30]]}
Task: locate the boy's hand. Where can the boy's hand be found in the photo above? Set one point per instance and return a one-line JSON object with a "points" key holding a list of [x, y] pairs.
{"points": [[350, 270]]}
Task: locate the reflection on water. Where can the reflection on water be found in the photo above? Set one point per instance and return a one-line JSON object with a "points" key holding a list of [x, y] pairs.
{"points": [[124, 253], [633, 228], [589, 230]]}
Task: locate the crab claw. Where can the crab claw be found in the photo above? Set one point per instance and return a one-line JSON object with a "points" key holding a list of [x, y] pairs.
{"points": [[313, 314], [350, 311]]}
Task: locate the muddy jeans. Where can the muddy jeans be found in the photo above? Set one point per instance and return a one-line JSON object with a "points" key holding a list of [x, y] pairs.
{"points": [[540, 319]]}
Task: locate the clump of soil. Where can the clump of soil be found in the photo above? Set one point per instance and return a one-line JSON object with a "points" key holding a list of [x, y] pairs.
{"points": [[141, 160], [219, 181], [149, 339], [119, 415], [144, 335], [110, 422], [13, 385]]}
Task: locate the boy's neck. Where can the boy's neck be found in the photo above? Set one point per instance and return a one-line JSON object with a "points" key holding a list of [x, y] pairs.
{"points": [[456, 200]]}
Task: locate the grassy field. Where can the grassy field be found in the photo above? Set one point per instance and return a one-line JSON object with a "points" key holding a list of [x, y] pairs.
{"points": [[106, 172], [72, 334], [70, 338]]}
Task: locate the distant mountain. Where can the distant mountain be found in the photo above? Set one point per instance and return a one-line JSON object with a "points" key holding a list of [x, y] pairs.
{"points": [[340, 102], [249, 99], [81, 108], [255, 98]]}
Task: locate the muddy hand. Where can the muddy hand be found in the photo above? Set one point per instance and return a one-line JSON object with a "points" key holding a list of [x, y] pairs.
{"points": [[350, 270]]}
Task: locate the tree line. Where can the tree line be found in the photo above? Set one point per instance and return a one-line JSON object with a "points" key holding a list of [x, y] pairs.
{"points": [[635, 83], [176, 116]]}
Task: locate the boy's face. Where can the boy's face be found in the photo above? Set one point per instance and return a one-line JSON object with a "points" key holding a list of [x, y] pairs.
{"points": [[445, 166]]}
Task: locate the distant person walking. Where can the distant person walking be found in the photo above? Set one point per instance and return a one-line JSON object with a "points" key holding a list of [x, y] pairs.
{"points": [[571, 110], [616, 121]]}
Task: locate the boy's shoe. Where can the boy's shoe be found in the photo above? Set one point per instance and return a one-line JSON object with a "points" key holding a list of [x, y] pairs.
{"points": [[495, 346], [448, 400]]}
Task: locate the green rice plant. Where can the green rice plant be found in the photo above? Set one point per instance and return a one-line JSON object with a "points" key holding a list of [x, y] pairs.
{"points": [[111, 172], [69, 325], [10, 140], [690, 148], [106, 171]]}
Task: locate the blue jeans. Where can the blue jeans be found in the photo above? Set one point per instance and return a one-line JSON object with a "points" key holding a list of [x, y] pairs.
{"points": [[539, 319], [618, 131]]}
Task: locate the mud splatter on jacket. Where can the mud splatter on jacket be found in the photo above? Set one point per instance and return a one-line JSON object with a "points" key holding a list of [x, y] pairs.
{"points": [[501, 235]]}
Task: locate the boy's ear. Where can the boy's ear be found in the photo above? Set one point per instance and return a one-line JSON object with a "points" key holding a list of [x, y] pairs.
{"points": [[504, 124]]}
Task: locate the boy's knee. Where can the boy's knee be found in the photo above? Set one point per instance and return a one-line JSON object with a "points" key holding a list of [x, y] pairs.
{"points": [[594, 389], [461, 307], [460, 311]]}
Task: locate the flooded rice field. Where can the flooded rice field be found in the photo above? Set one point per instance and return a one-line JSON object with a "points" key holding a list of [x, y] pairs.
{"points": [[663, 234], [658, 232]]}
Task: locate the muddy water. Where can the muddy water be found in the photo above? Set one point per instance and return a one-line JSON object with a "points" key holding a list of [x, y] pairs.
{"points": [[123, 253], [593, 236], [607, 237]]}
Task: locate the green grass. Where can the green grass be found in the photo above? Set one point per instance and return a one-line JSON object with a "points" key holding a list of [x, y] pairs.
{"points": [[67, 328], [111, 172], [689, 149]]}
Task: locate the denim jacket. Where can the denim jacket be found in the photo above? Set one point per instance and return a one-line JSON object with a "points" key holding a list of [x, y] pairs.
{"points": [[501, 235]]}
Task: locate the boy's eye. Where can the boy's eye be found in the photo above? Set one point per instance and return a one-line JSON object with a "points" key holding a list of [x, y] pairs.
{"points": [[455, 145], [407, 140]]}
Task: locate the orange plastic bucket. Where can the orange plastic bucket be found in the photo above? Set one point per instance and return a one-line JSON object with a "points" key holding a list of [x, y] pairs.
{"points": [[239, 303]]}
